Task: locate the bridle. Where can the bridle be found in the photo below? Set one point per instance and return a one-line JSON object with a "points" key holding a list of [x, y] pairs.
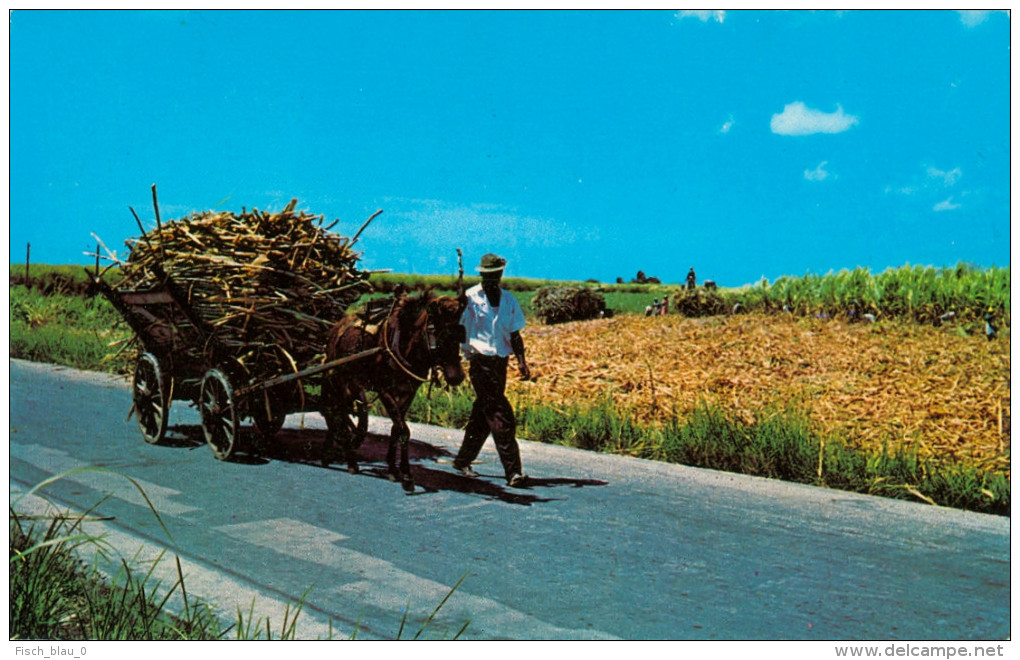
{"points": [[423, 325]]}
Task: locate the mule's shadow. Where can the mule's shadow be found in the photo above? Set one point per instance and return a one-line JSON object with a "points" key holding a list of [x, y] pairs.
{"points": [[308, 446]]}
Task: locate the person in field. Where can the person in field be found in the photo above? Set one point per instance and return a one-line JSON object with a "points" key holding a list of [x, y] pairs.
{"points": [[492, 321]]}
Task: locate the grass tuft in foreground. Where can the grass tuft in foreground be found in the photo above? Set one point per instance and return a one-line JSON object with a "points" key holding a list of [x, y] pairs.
{"points": [[56, 594]]}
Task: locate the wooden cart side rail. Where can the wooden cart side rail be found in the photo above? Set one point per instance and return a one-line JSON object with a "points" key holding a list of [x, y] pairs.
{"points": [[129, 303], [304, 373], [181, 299], [126, 311], [132, 298]]}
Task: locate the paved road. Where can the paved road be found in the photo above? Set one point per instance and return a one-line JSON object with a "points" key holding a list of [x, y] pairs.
{"points": [[599, 547]]}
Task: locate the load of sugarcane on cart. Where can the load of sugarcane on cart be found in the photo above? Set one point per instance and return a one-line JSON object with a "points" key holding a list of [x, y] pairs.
{"points": [[246, 316]]}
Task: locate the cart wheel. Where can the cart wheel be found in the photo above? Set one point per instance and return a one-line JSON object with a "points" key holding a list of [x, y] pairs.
{"points": [[149, 392], [357, 418], [268, 425], [219, 414]]}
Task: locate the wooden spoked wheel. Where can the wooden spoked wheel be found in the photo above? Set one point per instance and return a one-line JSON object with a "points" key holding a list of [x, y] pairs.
{"points": [[151, 398], [219, 413]]}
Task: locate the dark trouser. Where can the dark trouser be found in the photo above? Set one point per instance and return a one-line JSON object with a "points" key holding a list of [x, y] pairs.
{"points": [[492, 413]]}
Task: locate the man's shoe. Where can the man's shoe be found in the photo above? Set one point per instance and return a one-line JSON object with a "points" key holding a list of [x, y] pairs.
{"points": [[518, 480], [466, 471]]}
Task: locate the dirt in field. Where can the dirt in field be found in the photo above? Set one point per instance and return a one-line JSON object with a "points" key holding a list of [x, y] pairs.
{"points": [[872, 384]]}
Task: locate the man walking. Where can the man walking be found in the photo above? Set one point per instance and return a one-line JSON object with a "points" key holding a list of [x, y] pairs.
{"points": [[492, 322]]}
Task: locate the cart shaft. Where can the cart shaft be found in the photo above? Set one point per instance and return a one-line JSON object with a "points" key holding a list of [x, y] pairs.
{"points": [[311, 371]]}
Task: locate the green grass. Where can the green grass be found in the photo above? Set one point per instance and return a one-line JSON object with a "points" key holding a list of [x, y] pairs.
{"points": [[70, 272], [65, 329], [56, 595], [917, 293]]}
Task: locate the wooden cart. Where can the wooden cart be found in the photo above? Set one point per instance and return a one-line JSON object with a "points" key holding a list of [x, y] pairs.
{"points": [[180, 359]]}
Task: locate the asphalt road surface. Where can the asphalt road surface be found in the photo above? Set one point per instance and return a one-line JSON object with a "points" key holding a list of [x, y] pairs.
{"points": [[596, 547]]}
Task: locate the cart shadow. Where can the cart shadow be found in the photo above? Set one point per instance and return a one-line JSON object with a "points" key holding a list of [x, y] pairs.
{"points": [[183, 436], [188, 436], [308, 446]]}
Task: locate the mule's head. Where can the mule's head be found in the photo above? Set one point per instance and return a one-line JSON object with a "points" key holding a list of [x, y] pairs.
{"points": [[445, 335]]}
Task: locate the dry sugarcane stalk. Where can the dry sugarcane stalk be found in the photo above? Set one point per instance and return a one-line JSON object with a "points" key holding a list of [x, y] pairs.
{"points": [[140, 228], [112, 256], [356, 235]]}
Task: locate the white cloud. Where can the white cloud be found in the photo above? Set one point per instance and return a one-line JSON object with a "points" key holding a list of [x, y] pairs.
{"points": [[975, 17], [947, 178], [798, 119], [902, 190], [704, 15], [817, 174], [945, 205], [932, 185], [442, 223], [420, 235]]}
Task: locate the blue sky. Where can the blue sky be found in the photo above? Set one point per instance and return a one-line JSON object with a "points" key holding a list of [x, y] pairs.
{"points": [[576, 144]]}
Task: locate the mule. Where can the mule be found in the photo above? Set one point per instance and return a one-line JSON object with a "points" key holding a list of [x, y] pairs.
{"points": [[417, 337]]}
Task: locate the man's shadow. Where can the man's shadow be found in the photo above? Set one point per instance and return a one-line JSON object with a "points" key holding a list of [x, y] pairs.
{"points": [[308, 447]]}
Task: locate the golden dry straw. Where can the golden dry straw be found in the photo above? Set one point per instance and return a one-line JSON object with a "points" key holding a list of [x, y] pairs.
{"points": [[900, 385]]}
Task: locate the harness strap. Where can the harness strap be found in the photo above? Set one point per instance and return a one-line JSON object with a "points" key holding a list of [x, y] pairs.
{"points": [[395, 354]]}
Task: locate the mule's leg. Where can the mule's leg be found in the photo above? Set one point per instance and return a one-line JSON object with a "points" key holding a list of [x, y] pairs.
{"points": [[333, 437], [328, 409], [405, 439], [396, 407], [401, 435], [349, 445], [337, 441], [392, 411], [338, 433]]}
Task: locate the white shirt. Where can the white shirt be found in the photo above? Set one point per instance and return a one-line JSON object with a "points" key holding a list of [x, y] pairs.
{"points": [[489, 328]]}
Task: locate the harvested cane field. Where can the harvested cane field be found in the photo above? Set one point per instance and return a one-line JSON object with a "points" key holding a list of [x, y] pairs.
{"points": [[889, 385]]}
